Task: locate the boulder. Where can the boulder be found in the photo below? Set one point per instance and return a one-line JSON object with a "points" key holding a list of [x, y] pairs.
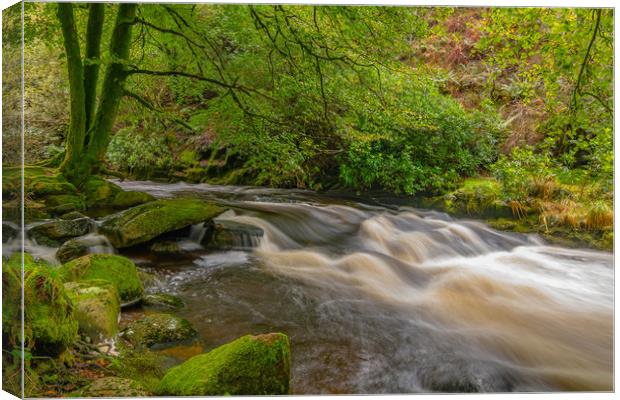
{"points": [[97, 307], [81, 246], [63, 203], [46, 185], [54, 232], [162, 300], [111, 386], [130, 199], [158, 329], [250, 365], [118, 270], [50, 325], [99, 192], [148, 221]]}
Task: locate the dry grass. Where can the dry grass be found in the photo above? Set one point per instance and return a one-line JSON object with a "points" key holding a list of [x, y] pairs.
{"points": [[600, 216]]}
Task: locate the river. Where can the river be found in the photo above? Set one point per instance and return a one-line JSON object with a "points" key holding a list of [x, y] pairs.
{"points": [[384, 298]]}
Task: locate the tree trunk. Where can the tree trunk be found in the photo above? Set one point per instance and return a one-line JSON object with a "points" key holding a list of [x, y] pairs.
{"points": [[113, 85], [73, 166], [92, 61]]}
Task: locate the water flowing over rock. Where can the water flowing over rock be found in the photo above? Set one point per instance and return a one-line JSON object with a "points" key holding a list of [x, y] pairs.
{"points": [[54, 232], [148, 221], [81, 246]]}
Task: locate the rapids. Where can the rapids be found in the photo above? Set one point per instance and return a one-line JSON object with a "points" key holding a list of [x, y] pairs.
{"points": [[381, 298]]}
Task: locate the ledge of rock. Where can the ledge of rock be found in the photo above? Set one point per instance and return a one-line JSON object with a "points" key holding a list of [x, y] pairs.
{"points": [[148, 221]]}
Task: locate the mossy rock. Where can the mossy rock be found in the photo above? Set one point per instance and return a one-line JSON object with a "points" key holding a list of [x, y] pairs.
{"points": [[130, 199], [64, 203], [250, 365], [116, 269], [49, 319], [97, 308], [158, 329], [54, 232], [148, 221], [162, 300], [9, 231], [111, 386], [46, 185], [99, 192]]}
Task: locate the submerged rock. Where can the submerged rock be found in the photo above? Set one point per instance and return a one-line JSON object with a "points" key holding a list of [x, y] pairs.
{"points": [[148, 221], [97, 308], [158, 329], [250, 365], [114, 387], [118, 270], [50, 325], [54, 232], [162, 300]]}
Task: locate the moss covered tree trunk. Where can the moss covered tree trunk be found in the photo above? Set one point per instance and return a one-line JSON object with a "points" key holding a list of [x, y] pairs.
{"points": [[72, 165], [91, 123]]}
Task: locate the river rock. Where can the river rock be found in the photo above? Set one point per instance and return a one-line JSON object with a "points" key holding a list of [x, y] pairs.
{"points": [[97, 308], [111, 386], [54, 232], [148, 221], [227, 235], [162, 300], [99, 192], [71, 215], [158, 329], [250, 365], [49, 315], [81, 246], [64, 203], [118, 270]]}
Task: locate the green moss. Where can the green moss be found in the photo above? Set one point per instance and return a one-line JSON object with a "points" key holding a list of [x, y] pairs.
{"points": [[250, 365], [50, 325], [116, 269], [145, 222], [130, 199], [45, 185], [97, 308], [158, 329]]}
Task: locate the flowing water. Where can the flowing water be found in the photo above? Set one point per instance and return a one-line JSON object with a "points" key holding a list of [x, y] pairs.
{"points": [[381, 298]]}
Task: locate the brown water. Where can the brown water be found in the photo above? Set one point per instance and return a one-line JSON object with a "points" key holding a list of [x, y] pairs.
{"points": [[387, 299]]}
